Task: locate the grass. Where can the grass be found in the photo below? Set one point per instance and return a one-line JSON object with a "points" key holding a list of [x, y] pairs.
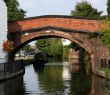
{"points": [[107, 81], [107, 70]]}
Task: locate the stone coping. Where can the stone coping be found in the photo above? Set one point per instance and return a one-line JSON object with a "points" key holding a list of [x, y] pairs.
{"points": [[54, 16], [101, 74]]}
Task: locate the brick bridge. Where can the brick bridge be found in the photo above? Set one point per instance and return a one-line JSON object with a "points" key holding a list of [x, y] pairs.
{"points": [[77, 30]]}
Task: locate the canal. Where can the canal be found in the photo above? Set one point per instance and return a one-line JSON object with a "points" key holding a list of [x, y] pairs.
{"points": [[56, 78]]}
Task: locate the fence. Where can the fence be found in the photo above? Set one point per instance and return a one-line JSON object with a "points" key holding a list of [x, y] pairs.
{"points": [[105, 63], [10, 69]]}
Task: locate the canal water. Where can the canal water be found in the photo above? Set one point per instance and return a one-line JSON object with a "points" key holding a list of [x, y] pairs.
{"points": [[57, 78]]}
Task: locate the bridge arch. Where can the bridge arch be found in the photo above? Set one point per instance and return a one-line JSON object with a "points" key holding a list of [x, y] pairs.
{"points": [[75, 30]]}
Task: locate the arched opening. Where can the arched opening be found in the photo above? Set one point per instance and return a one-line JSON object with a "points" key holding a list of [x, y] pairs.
{"points": [[74, 40], [82, 39]]}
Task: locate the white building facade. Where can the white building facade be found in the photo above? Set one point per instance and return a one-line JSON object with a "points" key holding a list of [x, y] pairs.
{"points": [[3, 29]]}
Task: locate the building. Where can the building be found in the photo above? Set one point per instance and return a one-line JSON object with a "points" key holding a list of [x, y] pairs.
{"points": [[3, 29]]}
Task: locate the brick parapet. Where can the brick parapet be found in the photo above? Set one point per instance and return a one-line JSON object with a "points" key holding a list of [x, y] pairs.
{"points": [[61, 22]]}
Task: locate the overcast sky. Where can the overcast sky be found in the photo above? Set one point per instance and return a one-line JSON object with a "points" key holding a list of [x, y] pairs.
{"points": [[56, 7]]}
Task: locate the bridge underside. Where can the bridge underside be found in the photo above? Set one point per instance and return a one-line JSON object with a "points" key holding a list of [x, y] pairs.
{"points": [[92, 45]]}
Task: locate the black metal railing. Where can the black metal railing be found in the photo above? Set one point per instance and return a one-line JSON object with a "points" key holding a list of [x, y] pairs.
{"points": [[9, 68], [105, 63]]}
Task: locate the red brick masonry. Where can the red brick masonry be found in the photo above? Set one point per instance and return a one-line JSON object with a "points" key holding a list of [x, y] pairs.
{"points": [[49, 26], [66, 22]]}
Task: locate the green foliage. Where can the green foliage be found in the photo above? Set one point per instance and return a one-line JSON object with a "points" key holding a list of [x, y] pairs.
{"points": [[84, 9], [65, 52], [107, 70], [108, 7], [107, 82], [58, 49], [14, 12], [52, 46], [74, 45], [105, 32], [43, 44], [105, 37], [27, 48]]}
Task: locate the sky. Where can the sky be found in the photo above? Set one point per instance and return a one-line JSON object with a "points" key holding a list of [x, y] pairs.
{"points": [[56, 7]]}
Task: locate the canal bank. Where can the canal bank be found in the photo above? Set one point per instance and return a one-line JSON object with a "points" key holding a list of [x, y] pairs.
{"points": [[104, 70], [102, 74]]}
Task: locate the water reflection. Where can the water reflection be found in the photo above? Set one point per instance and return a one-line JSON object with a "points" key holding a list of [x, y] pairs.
{"points": [[12, 87], [80, 66], [97, 86], [80, 84], [39, 66], [69, 80], [53, 79], [65, 73]]}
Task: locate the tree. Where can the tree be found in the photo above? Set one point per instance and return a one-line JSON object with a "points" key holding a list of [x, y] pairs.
{"points": [[57, 48], [43, 45], [108, 7], [75, 46], [14, 12], [105, 32], [26, 48], [84, 9], [52, 46], [65, 52]]}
